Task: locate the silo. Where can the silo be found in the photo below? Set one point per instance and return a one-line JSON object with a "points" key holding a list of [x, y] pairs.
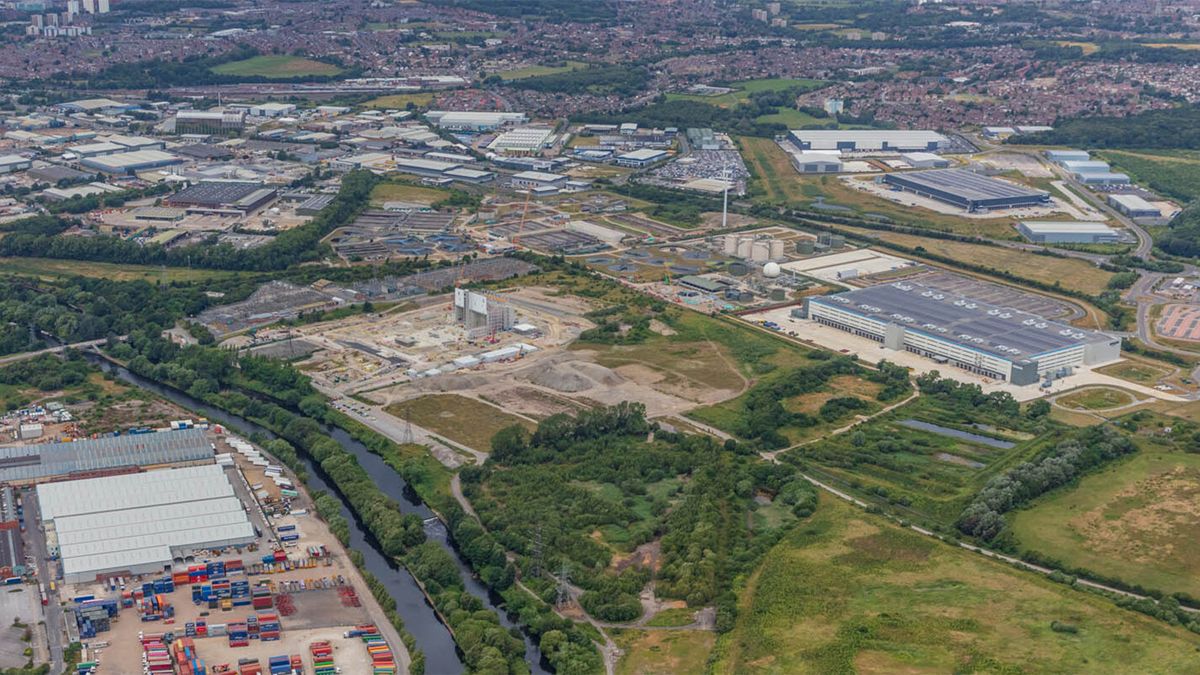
{"points": [[730, 245], [744, 245], [776, 249], [760, 252], [805, 246]]}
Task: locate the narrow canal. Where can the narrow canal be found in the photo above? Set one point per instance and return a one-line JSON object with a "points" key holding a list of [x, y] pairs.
{"points": [[441, 655]]}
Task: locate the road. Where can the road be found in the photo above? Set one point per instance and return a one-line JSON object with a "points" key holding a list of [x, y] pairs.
{"points": [[52, 350], [55, 619]]}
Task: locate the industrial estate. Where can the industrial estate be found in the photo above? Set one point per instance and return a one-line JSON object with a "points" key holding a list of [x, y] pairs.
{"points": [[609, 337]]}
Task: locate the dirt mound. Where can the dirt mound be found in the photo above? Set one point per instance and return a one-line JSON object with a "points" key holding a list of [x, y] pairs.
{"points": [[574, 376], [450, 382]]}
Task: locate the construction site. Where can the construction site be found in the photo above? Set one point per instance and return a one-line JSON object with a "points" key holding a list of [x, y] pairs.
{"points": [[464, 330]]}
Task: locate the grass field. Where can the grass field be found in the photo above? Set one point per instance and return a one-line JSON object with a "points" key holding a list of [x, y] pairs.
{"points": [[405, 192], [849, 592], [459, 419], [743, 89], [1070, 273], [1173, 175], [1138, 520], [1185, 46], [538, 71], [276, 67], [1096, 398], [662, 652], [51, 268], [400, 101], [793, 118], [772, 170]]}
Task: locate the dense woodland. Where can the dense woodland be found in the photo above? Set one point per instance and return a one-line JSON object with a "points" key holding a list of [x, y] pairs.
{"points": [[1173, 128], [688, 493]]}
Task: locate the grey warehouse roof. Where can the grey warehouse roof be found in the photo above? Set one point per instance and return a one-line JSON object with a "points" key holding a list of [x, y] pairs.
{"points": [[215, 193], [30, 462], [965, 184], [1006, 333]]}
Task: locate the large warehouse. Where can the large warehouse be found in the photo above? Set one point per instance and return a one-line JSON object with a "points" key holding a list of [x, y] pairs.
{"points": [[28, 463], [139, 523], [1068, 232], [996, 342], [967, 190], [867, 140], [225, 197]]}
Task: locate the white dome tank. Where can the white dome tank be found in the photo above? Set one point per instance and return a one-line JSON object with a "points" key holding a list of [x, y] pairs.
{"points": [[771, 270]]}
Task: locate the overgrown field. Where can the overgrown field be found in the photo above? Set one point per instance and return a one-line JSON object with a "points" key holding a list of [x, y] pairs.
{"points": [[1137, 520], [849, 592], [929, 458], [1173, 174]]}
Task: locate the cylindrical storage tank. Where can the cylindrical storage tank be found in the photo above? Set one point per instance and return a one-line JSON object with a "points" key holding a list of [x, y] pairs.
{"points": [[805, 246], [778, 295], [739, 269], [746, 296], [744, 245], [760, 252], [730, 244], [776, 249]]}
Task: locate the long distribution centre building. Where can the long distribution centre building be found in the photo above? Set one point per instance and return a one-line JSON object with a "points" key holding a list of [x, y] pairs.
{"points": [[1068, 232], [30, 463], [868, 140], [140, 523], [965, 189], [996, 342]]}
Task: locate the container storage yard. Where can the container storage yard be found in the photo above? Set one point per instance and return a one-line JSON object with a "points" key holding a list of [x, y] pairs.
{"points": [[202, 556]]}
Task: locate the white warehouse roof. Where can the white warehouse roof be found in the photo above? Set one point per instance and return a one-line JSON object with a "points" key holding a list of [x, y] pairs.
{"points": [[138, 523], [1073, 227]]}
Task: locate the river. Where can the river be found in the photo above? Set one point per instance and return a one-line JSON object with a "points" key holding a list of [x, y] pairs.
{"points": [[441, 655]]}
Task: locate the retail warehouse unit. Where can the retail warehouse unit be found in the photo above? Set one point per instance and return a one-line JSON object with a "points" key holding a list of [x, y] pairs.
{"points": [[1134, 206], [28, 463], [140, 523], [997, 342], [970, 191]]}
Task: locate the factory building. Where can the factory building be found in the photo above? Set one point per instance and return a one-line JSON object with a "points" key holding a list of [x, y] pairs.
{"points": [[816, 162], [223, 197], [129, 163], [925, 160], [1067, 232], [209, 121], [1134, 206], [473, 121], [482, 314], [970, 191], [522, 141], [1060, 156], [535, 179], [868, 140], [140, 523], [995, 342], [31, 463], [641, 158], [11, 163], [273, 109]]}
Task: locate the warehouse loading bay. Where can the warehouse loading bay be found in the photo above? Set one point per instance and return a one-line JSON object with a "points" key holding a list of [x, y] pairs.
{"points": [[311, 585]]}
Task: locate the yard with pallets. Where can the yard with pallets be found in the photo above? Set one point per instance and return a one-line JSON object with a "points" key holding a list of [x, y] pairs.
{"points": [[847, 592], [1137, 520]]}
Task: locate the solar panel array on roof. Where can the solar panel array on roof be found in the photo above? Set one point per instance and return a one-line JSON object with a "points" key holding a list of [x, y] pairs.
{"points": [[30, 462], [1007, 333]]}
